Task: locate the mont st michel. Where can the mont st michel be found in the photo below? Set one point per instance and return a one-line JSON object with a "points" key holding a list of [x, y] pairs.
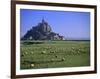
{"points": [[42, 31]]}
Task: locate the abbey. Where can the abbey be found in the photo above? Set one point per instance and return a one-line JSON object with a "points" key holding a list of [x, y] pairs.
{"points": [[42, 31]]}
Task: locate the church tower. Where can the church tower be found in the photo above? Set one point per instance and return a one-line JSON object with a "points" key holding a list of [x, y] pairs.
{"points": [[45, 27], [43, 21]]}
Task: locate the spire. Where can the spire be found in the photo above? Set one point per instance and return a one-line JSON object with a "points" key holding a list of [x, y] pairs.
{"points": [[43, 21]]}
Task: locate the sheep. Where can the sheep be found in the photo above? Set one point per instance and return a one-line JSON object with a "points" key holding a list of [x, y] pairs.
{"points": [[26, 53], [52, 51], [43, 52], [32, 52], [63, 59], [22, 55], [73, 48], [56, 56], [32, 65], [52, 60]]}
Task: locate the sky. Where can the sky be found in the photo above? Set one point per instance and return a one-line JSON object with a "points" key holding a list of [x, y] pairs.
{"points": [[71, 25]]}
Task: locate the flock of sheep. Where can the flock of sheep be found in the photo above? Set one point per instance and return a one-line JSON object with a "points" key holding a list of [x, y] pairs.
{"points": [[49, 50]]}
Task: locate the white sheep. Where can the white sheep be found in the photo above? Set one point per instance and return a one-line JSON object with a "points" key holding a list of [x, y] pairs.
{"points": [[43, 52], [32, 65]]}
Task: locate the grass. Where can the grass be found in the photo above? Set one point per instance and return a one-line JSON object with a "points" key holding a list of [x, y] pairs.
{"points": [[53, 54]]}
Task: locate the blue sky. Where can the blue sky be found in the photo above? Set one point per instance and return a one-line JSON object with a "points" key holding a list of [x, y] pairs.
{"points": [[72, 25]]}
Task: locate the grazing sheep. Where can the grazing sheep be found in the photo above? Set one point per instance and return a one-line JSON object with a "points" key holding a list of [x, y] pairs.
{"points": [[56, 56], [26, 53], [78, 52], [52, 60], [73, 48], [32, 65], [52, 51], [32, 52], [22, 55], [43, 52], [63, 59], [79, 49]]}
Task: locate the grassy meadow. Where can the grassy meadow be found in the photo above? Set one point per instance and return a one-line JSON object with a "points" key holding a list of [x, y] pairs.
{"points": [[54, 54]]}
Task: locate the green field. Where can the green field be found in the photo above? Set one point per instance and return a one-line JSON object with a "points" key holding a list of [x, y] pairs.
{"points": [[53, 54]]}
